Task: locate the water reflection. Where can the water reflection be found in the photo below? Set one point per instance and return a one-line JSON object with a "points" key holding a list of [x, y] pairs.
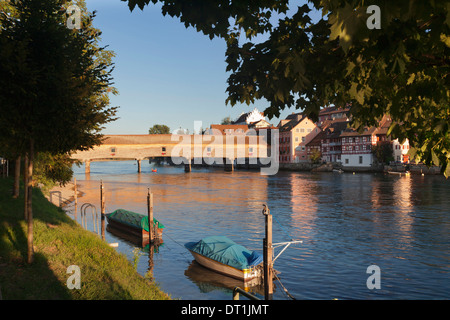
{"points": [[208, 281]]}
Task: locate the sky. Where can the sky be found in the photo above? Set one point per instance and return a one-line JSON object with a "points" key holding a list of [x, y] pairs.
{"points": [[165, 73]]}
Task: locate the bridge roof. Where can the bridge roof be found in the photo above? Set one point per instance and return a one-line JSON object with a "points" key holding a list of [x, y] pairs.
{"points": [[137, 138]]}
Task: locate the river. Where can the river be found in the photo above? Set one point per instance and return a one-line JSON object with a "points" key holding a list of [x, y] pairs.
{"points": [[347, 222]]}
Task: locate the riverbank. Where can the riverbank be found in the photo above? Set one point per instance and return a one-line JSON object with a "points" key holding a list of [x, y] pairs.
{"points": [[64, 194], [59, 242], [329, 167]]}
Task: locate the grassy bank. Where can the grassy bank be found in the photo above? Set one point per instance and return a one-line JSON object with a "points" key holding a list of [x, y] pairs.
{"points": [[58, 243]]}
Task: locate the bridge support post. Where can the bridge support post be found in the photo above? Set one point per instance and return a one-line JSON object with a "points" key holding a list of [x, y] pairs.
{"points": [[187, 166], [228, 164], [139, 166], [87, 167]]}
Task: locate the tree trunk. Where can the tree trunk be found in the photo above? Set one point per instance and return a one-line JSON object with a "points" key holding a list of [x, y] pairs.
{"points": [[29, 203], [25, 186], [16, 178]]}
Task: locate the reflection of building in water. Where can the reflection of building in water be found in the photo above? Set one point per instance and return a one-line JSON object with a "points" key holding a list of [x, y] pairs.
{"points": [[392, 203], [304, 203], [180, 192], [402, 193]]}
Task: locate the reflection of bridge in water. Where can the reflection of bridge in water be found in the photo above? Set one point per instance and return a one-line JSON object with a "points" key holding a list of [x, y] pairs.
{"points": [[223, 150]]}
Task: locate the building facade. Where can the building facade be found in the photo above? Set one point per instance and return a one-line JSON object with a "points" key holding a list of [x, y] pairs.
{"points": [[294, 135]]}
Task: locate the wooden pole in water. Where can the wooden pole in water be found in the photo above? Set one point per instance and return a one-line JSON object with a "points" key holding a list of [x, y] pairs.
{"points": [[75, 191], [267, 255], [102, 206], [150, 215]]}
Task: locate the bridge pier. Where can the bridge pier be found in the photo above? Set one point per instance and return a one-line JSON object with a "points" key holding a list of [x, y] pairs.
{"points": [[228, 164], [187, 166], [87, 167], [139, 165]]}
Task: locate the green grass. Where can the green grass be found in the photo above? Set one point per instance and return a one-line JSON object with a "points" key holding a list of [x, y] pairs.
{"points": [[58, 243]]}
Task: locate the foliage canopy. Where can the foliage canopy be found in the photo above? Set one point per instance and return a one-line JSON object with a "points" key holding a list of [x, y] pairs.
{"points": [[159, 129], [52, 87], [402, 69]]}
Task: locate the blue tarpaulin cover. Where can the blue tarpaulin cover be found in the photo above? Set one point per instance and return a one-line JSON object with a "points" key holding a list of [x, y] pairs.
{"points": [[226, 251]]}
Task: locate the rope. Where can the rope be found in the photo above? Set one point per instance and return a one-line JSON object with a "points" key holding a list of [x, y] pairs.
{"points": [[184, 253], [285, 290], [283, 228]]}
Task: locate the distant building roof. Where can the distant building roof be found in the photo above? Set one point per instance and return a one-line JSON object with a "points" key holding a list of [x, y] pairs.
{"points": [[249, 117], [233, 128]]}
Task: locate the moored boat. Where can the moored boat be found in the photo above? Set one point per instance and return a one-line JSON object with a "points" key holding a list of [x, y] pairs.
{"points": [[406, 173], [134, 224], [224, 256]]}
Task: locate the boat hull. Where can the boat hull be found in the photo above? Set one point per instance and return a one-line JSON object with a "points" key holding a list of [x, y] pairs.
{"points": [[134, 231], [244, 275]]}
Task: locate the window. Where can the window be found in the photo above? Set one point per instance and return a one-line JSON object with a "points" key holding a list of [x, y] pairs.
{"points": [[250, 149], [349, 148], [356, 148], [113, 150], [308, 130], [296, 130], [303, 139], [357, 139], [360, 159], [163, 149], [303, 148], [364, 139], [346, 161], [296, 139]]}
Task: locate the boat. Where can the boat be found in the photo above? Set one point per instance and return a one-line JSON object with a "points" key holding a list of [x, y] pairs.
{"points": [[338, 170], [208, 280], [224, 256], [134, 224], [154, 170], [406, 173]]}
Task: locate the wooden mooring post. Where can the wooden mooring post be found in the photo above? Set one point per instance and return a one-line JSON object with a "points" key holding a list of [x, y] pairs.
{"points": [[267, 255], [75, 192], [102, 208], [150, 216]]}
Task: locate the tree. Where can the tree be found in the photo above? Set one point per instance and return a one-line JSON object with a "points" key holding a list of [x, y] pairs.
{"points": [[50, 169], [52, 89], [159, 129], [315, 156], [391, 58], [226, 120], [383, 152], [10, 150]]}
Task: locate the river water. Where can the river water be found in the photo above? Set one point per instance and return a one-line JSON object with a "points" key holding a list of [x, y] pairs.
{"points": [[347, 222]]}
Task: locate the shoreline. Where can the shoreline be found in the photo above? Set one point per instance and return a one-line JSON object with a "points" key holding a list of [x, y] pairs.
{"points": [[66, 192]]}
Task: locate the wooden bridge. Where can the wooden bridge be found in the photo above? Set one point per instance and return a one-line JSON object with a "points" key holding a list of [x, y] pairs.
{"points": [[223, 150]]}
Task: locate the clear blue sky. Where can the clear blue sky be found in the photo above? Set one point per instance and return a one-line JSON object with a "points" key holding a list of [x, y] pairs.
{"points": [[165, 73]]}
